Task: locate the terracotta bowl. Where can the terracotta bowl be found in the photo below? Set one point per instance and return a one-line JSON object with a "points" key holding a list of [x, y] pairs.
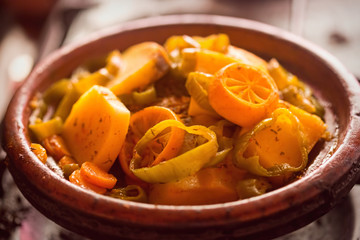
{"points": [[334, 170]]}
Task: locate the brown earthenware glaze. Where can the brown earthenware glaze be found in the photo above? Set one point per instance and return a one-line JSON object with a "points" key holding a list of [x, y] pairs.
{"points": [[335, 164]]}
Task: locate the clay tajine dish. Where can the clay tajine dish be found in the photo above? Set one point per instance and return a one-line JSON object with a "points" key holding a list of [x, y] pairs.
{"points": [[334, 170]]}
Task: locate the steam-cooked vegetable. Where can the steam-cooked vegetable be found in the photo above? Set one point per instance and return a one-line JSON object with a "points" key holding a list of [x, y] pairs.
{"points": [[95, 175], [166, 145], [197, 84], [252, 187], [96, 127], [146, 97], [68, 165], [207, 186], [178, 167], [77, 178], [242, 94], [56, 147], [225, 143], [130, 192], [312, 125], [293, 90], [216, 42], [203, 60], [57, 91], [247, 58], [275, 146], [143, 64], [46, 129], [70, 91], [39, 151]]}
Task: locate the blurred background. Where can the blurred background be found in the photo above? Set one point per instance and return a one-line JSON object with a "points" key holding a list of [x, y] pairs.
{"points": [[31, 29]]}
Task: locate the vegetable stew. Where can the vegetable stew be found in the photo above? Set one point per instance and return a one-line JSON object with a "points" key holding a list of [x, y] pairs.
{"points": [[193, 121]]}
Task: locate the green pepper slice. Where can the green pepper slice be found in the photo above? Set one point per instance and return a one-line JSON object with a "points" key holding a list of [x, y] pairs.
{"points": [[275, 146], [66, 103], [46, 129], [293, 90], [131, 193], [178, 167], [145, 97], [39, 110], [197, 84], [226, 144], [69, 92], [57, 91]]}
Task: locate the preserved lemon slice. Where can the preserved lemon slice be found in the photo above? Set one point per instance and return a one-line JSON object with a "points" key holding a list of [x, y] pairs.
{"points": [[243, 94]]}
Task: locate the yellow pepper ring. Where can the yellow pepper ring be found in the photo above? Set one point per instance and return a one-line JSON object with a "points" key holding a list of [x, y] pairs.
{"points": [[248, 150], [178, 167]]}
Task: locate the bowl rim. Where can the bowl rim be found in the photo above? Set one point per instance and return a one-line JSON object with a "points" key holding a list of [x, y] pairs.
{"points": [[202, 215]]}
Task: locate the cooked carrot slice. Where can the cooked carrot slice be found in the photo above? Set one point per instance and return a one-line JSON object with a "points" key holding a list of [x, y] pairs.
{"points": [[77, 178], [56, 147], [312, 125], [163, 148], [39, 151], [95, 175], [243, 94]]}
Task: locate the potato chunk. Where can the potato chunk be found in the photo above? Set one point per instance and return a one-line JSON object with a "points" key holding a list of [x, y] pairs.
{"points": [[247, 57], [208, 186], [96, 127], [143, 64], [207, 61]]}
